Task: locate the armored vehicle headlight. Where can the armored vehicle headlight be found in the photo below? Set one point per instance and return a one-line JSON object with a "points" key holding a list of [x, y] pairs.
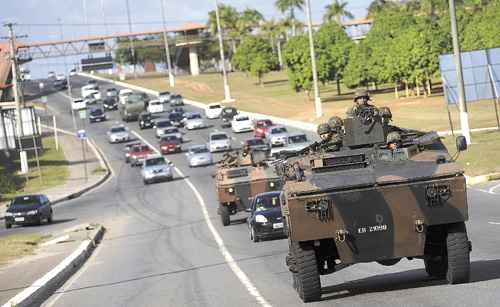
{"points": [[260, 219], [272, 184], [230, 190]]}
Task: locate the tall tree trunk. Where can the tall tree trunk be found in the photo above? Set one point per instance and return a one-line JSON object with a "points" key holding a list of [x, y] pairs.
{"points": [[261, 83], [396, 90], [407, 90], [280, 56], [233, 45], [294, 27], [338, 87], [417, 85], [429, 87]]}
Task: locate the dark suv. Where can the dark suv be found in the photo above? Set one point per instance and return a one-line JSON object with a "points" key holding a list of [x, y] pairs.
{"points": [[28, 209]]}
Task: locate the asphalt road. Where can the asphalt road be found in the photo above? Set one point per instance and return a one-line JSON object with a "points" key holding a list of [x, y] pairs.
{"points": [[165, 246]]}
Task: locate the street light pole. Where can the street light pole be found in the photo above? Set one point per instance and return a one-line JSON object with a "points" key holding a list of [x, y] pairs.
{"points": [[131, 40], [227, 90], [317, 98], [171, 77], [106, 30], [68, 79], [85, 17], [462, 105], [15, 85]]}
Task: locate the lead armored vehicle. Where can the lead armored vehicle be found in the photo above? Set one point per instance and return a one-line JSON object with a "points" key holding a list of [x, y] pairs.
{"points": [[239, 178], [370, 201]]}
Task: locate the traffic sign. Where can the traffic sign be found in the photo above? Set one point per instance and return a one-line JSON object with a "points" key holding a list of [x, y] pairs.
{"points": [[44, 99], [82, 134]]}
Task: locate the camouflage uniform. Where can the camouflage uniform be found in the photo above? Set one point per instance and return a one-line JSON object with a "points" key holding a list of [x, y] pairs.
{"points": [[356, 109], [333, 129]]}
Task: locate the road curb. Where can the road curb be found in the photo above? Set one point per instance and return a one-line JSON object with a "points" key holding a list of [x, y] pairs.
{"points": [[41, 289], [482, 179], [102, 160]]}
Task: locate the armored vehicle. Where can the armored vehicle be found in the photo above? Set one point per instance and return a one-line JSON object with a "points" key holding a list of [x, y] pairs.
{"points": [[375, 200], [239, 178], [133, 106]]}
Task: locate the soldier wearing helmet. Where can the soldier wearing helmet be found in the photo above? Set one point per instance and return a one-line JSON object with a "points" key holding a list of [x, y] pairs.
{"points": [[324, 132], [361, 101], [394, 140], [330, 134]]}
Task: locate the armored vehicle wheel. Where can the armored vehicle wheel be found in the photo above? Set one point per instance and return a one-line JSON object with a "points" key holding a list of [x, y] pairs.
{"points": [[224, 215], [307, 280], [458, 249]]}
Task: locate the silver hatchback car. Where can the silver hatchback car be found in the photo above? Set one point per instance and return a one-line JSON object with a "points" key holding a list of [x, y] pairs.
{"points": [[199, 155], [156, 168]]}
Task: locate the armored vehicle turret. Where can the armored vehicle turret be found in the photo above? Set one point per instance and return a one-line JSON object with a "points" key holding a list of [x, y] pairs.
{"points": [[371, 200]]}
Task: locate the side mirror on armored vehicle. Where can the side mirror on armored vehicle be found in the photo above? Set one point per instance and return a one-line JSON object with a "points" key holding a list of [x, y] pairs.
{"points": [[461, 143]]}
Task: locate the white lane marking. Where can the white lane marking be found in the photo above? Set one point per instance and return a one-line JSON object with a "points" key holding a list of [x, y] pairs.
{"points": [[494, 223], [492, 189], [218, 239], [74, 278], [56, 240]]}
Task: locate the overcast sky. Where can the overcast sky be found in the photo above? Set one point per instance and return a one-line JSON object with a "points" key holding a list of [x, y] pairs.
{"points": [[39, 18]]}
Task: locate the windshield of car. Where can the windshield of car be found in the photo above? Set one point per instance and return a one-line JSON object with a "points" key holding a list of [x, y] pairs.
{"points": [[171, 130], [199, 150], [193, 116], [242, 119], [170, 138], [155, 162], [217, 137], [255, 142], [118, 129], [109, 100], [229, 111], [164, 94], [155, 103], [163, 124], [216, 106], [96, 112], [265, 123], [175, 116], [278, 130], [26, 201], [301, 138], [267, 202]]}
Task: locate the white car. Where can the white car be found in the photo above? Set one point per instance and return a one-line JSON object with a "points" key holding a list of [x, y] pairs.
{"points": [[118, 134], [199, 155], [123, 95], [164, 97], [78, 104], [155, 106], [89, 89], [219, 141], [241, 123], [161, 125], [213, 110], [60, 77], [193, 121], [93, 94], [277, 136], [51, 75]]}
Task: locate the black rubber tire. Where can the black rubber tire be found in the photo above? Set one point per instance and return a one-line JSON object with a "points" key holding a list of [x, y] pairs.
{"points": [[436, 267], [8, 225], [307, 277], [253, 236], [50, 218], [458, 254], [225, 216]]}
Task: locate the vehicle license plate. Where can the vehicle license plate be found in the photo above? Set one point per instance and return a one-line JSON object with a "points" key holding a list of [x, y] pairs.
{"points": [[19, 219], [277, 225]]}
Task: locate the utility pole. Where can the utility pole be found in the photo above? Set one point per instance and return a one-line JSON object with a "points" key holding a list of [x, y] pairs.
{"points": [[131, 40], [317, 98], [106, 30], [85, 17], [462, 105], [171, 77], [68, 79], [15, 85], [227, 90]]}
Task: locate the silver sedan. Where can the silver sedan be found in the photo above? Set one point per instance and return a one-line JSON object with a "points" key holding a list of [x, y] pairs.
{"points": [[199, 155]]}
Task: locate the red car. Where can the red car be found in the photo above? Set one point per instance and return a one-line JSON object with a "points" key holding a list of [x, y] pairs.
{"points": [[170, 144], [138, 154], [261, 126]]}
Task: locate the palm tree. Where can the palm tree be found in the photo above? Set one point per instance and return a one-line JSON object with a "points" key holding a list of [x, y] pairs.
{"points": [[290, 6], [337, 10], [229, 17], [274, 30], [249, 20]]}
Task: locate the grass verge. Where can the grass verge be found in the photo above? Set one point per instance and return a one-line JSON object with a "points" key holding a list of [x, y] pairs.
{"points": [[53, 166], [17, 246], [278, 99]]}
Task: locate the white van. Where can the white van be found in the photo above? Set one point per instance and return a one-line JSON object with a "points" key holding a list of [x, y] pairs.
{"points": [[78, 104], [213, 110], [155, 106]]}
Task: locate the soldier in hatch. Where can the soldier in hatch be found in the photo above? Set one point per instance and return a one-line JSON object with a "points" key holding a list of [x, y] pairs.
{"points": [[361, 101], [394, 140], [331, 134]]}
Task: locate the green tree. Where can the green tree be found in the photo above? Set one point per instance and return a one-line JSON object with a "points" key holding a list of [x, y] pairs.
{"points": [[229, 17], [290, 6], [357, 72], [298, 63], [337, 11], [483, 28], [249, 20], [255, 55]]}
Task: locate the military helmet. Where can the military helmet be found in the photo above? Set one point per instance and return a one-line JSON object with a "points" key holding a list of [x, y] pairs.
{"points": [[324, 129], [393, 137], [361, 93], [335, 123], [385, 113]]}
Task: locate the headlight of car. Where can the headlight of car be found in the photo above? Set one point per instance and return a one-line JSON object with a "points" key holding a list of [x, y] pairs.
{"points": [[260, 219], [32, 212], [272, 184], [8, 214]]}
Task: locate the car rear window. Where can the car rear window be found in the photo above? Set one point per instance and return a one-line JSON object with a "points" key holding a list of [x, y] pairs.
{"points": [[242, 119], [118, 129], [213, 107], [96, 112], [198, 150], [155, 162], [217, 137], [265, 123], [297, 139], [254, 142], [163, 124], [279, 130]]}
